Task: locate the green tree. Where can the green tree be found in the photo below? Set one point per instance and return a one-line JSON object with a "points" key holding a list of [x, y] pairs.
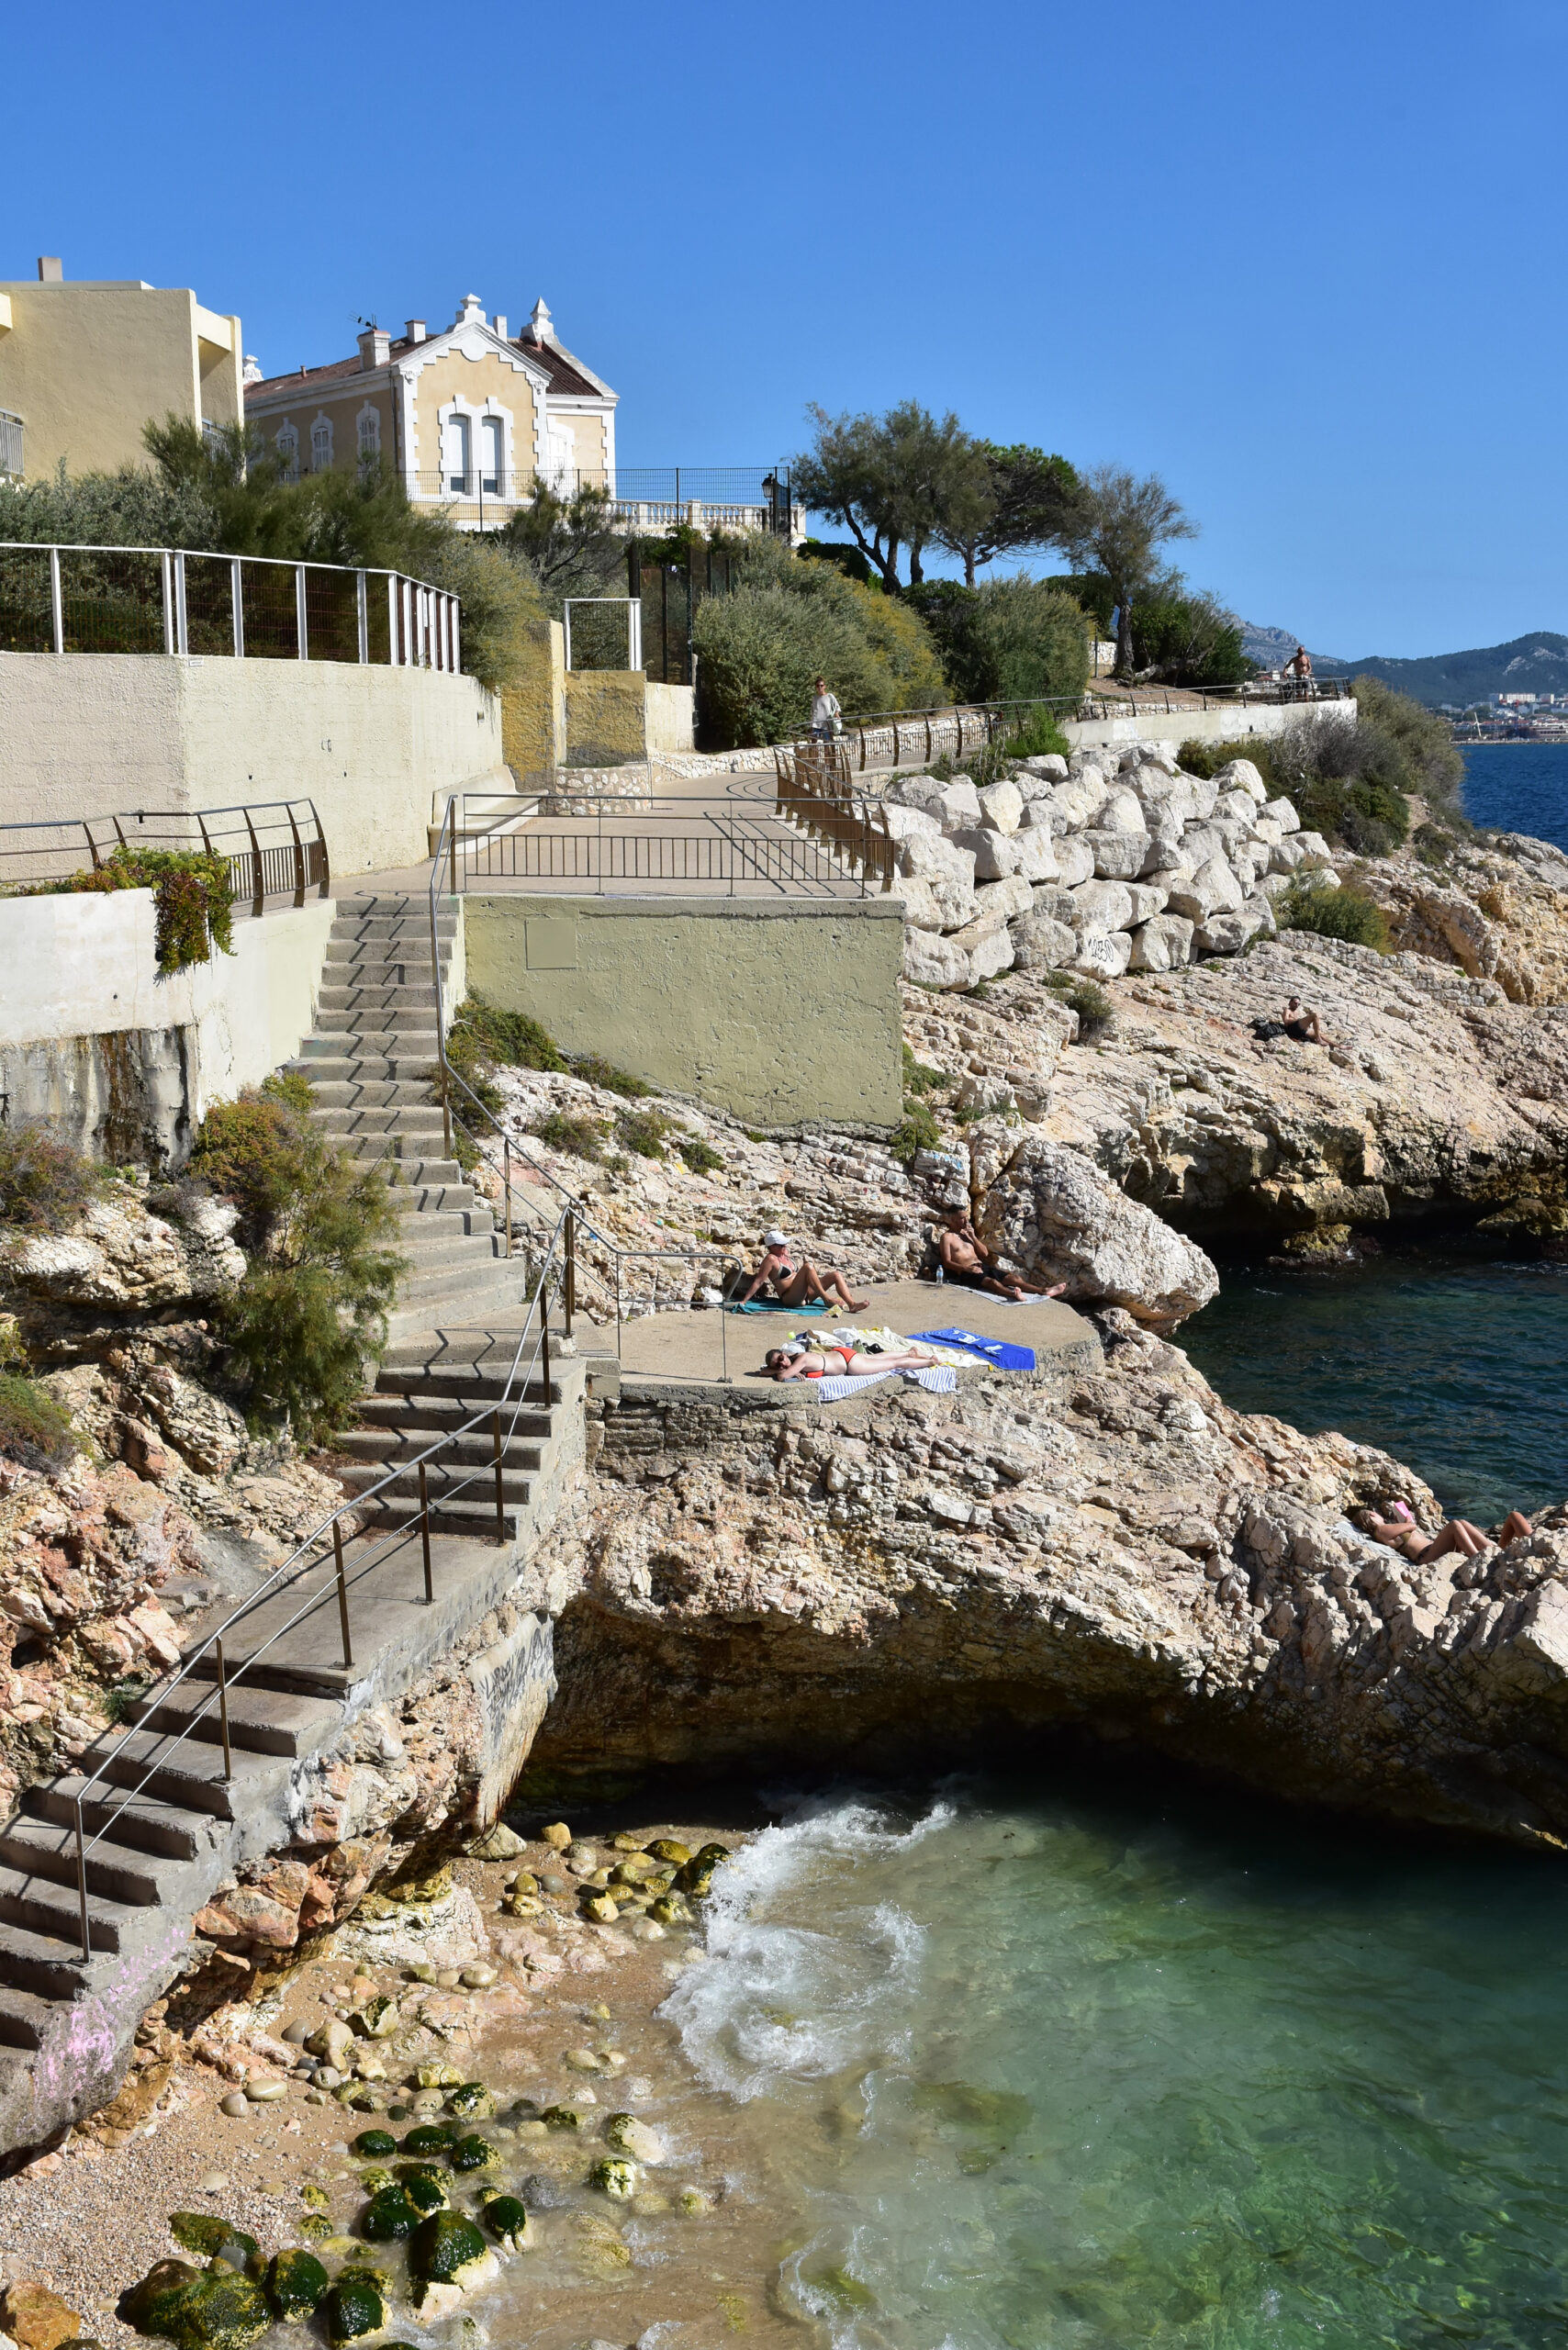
{"points": [[895, 481], [1186, 637], [570, 544], [1116, 525], [1010, 640], [1025, 504]]}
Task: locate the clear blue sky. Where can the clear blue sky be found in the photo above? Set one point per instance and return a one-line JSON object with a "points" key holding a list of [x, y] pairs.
{"points": [[1304, 263]]}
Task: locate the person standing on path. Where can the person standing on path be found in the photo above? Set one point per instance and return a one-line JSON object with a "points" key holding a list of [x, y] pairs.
{"points": [[825, 713]]}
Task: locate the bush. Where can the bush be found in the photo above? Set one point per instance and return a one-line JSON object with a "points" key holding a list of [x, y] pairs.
{"points": [[699, 1156], [1013, 639], [1187, 639], [1347, 780], [919, 1079], [643, 1131], [785, 623], [44, 1184], [190, 896], [608, 1078], [1207, 759], [918, 1131], [1087, 998], [1428, 760], [1037, 738], [580, 1136], [30, 1419], [1344, 913], [312, 1306]]}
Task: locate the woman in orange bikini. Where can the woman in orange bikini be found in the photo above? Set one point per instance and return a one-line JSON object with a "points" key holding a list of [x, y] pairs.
{"points": [[830, 1362]]}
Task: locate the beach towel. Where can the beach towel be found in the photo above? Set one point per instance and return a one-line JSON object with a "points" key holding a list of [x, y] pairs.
{"points": [[863, 1334], [939, 1380], [998, 1352], [772, 1305]]}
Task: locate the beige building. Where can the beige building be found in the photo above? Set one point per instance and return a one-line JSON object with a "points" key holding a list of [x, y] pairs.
{"points": [[84, 366], [467, 416]]}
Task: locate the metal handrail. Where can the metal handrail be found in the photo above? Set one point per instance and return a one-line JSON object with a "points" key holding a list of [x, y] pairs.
{"points": [[298, 858], [302, 1559]]}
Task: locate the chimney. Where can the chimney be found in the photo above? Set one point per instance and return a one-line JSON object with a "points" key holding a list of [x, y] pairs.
{"points": [[375, 349], [500, 323], [49, 269], [415, 330]]}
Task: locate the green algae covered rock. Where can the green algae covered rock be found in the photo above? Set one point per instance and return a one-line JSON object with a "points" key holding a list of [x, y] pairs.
{"points": [[372, 2181], [666, 1848], [561, 2117], [446, 2248], [318, 2227], [225, 2312], [507, 2220], [472, 2099], [614, 2176], [474, 2153], [218, 2239], [390, 2216], [156, 2305], [424, 2188], [431, 2138], [376, 2142], [630, 2136], [355, 2307], [294, 2285]]}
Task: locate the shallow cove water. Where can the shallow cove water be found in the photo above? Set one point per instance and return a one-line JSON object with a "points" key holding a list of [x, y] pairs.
{"points": [[1083, 2067]]}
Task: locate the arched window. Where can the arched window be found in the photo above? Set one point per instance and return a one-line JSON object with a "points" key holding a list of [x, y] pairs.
{"points": [[321, 445], [369, 436], [456, 461], [288, 445], [493, 455]]}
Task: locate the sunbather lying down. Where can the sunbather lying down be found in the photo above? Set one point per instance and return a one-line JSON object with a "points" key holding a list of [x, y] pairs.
{"points": [[801, 1361], [1400, 1532]]}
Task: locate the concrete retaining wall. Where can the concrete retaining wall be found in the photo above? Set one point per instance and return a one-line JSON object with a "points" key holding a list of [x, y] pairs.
{"points": [[124, 1062], [785, 1013], [100, 734], [1179, 726]]}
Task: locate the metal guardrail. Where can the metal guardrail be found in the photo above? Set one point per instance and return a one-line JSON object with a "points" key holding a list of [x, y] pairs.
{"points": [[58, 599], [733, 844], [517, 1395], [273, 847]]}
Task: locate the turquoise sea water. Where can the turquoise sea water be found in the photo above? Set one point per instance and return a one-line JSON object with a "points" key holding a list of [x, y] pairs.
{"points": [[1518, 788], [1084, 2066]]}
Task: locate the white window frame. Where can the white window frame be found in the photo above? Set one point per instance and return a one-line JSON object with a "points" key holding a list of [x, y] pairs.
{"points": [[321, 436], [495, 434], [459, 413], [368, 444], [286, 442]]}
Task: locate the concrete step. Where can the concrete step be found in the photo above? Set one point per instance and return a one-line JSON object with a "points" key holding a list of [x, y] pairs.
{"points": [[473, 1482], [49, 1966], [139, 1822], [373, 966], [383, 1448], [371, 1042], [410, 1416], [430, 1251], [405, 1007], [40, 1906], [43, 1849], [189, 1775], [411, 1090], [260, 1720], [24, 2018], [472, 1521], [391, 1122], [404, 1174], [415, 1201], [420, 1229]]}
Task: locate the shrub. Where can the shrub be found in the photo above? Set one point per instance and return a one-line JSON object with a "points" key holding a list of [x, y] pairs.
{"points": [[1207, 759], [917, 1131], [1087, 998], [1037, 737], [787, 622], [312, 1306], [1427, 759], [44, 1184], [190, 896], [699, 1156], [1012, 639], [608, 1078], [1344, 913], [643, 1131], [31, 1419], [919, 1079], [582, 1137], [1187, 638], [512, 1038]]}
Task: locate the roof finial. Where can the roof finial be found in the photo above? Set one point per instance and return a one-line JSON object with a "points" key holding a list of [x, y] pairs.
{"points": [[541, 321]]}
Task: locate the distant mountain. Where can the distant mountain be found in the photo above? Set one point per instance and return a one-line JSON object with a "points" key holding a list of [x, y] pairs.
{"points": [[1527, 664]]}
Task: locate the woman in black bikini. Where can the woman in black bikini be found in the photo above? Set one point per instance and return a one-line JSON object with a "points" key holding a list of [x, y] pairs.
{"points": [[796, 1284]]}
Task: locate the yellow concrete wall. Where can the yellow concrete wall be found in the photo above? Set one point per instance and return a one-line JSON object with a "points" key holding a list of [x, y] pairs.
{"points": [[534, 710], [781, 1012], [605, 714], [340, 401], [453, 376], [671, 721], [87, 366]]}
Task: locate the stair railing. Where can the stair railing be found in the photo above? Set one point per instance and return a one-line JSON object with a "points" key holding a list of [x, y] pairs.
{"points": [[324, 1540], [575, 1215]]}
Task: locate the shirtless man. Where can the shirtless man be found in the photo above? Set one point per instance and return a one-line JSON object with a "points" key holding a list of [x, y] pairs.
{"points": [[965, 1258], [1300, 1021]]}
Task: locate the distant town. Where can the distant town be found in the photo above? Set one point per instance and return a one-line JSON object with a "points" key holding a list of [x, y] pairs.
{"points": [[1510, 718]]}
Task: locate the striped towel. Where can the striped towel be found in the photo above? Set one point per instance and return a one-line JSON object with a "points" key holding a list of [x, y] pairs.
{"points": [[939, 1379]]}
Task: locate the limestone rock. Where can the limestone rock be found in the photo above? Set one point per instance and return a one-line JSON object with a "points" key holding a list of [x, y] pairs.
{"points": [[1212, 889], [1036, 856], [1240, 775], [931, 962], [1118, 855], [1040, 943], [1227, 933], [39, 2319], [1053, 1211], [1001, 806], [1162, 944], [1282, 813], [993, 853], [1075, 860], [1102, 906], [922, 910], [991, 957], [1103, 954]]}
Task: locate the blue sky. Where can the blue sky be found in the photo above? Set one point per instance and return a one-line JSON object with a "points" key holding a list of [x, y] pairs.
{"points": [[1303, 264]]}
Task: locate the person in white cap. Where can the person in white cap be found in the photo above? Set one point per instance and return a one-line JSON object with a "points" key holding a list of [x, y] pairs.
{"points": [[798, 1284]]}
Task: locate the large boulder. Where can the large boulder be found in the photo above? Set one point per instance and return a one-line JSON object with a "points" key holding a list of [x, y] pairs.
{"points": [[905, 823], [1148, 901], [1163, 943], [1240, 775], [935, 962], [1036, 854], [1229, 933], [1212, 889], [1102, 906], [958, 804], [996, 853], [1042, 944], [1075, 860], [995, 906], [992, 957], [922, 907], [1001, 805], [950, 872], [1052, 1211], [1118, 857], [1282, 813], [1122, 812], [1103, 954]]}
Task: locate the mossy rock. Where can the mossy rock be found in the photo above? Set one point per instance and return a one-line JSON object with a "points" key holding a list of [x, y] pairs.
{"points": [[561, 2117], [614, 2176], [388, 2217], [372, 2181], [474, 2153], [445, 2247], [156, 2304], [376, 2142], [432, 2138], [669, 1909], [295, 2284], [473, 2101], [425, 2190], [355, 2307], [507, 2220], [630, 2136], [314, 2198], [316, 2227], [422, 1892], [204, 2232], [666, 1848], [226, 2312]]}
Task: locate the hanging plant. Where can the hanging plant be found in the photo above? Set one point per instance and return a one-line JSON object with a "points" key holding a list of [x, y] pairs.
{"points": [[191, 899]]}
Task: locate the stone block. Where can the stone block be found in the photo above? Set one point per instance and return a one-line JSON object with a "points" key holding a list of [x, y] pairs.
{"points": [[1036, 854], [958, 804], [1240, 775], [934, 962], [1212, 889], [1121, 811], [1042, 944], [904, 822], [995, 906], [1147, 901], [1282, 813], [1315, 851], [1118, 857], [1056, 901], [992, 957], [1286, 855], [1049, 765], [1102, 906], [1162, 944], [1226, 934], [1103, 954], [1001, 805], [994, 854], [1075, 860], [1242, 807], [922, 910]]}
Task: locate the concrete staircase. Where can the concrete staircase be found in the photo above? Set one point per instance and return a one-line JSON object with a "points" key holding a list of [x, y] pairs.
{"points": [[66, 2021]]}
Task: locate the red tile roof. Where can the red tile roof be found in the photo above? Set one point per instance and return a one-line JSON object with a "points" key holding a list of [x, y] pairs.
{"points": [[562, 376]]}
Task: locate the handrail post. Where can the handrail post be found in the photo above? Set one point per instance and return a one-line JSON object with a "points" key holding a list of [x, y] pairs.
{"points": [[258, 891], [56, 601], [81, 1887], [343, 1590], [571, 1282], [500, 1497], [506, 1155], [223, 1714], [425, 1534], [299, 854]]}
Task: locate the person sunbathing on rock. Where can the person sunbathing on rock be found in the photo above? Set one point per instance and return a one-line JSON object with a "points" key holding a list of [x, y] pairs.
{"points": [[1300, 1021], [1400, 1532], [796, 1284], [965, 1258], [799, 1360]]}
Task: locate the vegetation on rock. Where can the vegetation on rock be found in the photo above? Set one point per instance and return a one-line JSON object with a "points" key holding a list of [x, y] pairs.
{"points": [[44, 1183], [1346, 913], [1010, 640]]}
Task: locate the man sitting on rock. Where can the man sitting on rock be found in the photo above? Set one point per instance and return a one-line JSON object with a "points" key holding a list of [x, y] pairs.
{"points": [[1300, 1021], [965, 1258]]}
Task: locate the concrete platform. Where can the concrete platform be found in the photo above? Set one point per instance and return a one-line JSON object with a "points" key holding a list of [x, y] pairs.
{"points": [[699, 1349]]}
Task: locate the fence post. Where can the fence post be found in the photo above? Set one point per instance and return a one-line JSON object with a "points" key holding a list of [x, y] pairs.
{"points": [[505, 1179], [343, 1590], [425, 1534], [394, 634], [571, 1286], [56, 601], [182, 618], [456, 612], [223, 1714], [298, 856], [258, 889], [236, 592], [171, 624], [362, 602], [301, 619], [81, 1887]]}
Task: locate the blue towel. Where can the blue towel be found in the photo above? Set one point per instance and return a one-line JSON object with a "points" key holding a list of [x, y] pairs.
{"points": [[996, 1351], [772, 1305]]}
